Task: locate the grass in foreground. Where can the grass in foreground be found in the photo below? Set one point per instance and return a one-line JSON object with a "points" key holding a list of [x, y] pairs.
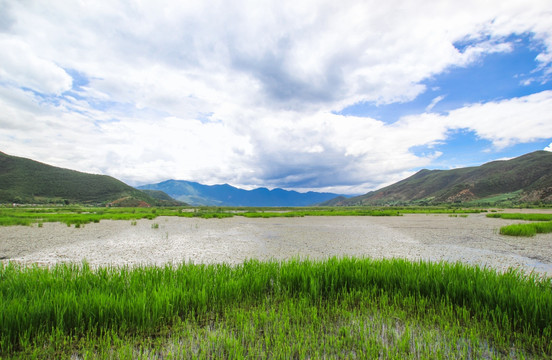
{"points": [[337, 308]]}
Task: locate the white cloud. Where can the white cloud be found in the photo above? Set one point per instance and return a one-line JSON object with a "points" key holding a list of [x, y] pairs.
{"points": [[241, 93], [548, 148], [434, 102], [508, 122], [20, 65]]}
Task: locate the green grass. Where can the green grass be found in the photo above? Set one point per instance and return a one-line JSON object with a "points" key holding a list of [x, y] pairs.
{"points": [[506, 199], [530, 229], [542, 226], [70, 215], [518, 230], [323, 212], [518, 216], [337, 308], [76, 215]]}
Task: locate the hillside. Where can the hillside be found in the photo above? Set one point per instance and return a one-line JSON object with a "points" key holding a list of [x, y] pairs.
{"points": [[226, 195], [527, 178], [28, 181]]}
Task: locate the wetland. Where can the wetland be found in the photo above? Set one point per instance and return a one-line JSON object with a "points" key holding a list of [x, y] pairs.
{"points": [[473, 239], [80, 285]]}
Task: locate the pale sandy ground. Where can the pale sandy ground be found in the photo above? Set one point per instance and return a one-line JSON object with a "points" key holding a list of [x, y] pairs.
{"points": [[473, 240]]}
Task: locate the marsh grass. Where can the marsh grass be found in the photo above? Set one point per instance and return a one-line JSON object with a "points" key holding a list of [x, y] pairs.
{"points": [[330, 212], [358, 211], [518, 216], [346, 307], [543, 224], [528, 230], [84, 215], [70, 216]]}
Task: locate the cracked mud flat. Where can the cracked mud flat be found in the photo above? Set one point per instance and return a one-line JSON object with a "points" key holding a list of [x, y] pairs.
{"points": [[472, 240]]}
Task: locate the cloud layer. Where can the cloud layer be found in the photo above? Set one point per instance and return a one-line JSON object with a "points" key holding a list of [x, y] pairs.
{"points": [[237, 92]]}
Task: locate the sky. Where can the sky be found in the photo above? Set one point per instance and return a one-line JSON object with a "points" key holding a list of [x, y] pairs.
{"points": [[345, 96]]}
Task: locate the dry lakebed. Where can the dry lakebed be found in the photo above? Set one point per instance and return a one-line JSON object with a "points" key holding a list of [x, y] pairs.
{"points": [[473, 239]]}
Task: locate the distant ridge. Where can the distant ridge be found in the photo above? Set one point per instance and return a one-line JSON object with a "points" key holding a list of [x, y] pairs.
{"points": [[333, 202], [226, 195], [525, 179], [27, 181]]}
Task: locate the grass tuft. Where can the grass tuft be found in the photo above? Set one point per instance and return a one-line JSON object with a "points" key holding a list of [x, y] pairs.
{"points": [[519, 230]]}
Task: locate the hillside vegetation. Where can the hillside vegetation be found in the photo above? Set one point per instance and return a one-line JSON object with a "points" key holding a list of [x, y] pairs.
{"points": [[28, 181], [525, 179]]}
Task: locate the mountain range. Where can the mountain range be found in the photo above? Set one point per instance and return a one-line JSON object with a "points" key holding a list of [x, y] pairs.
{"points": [[195, 194], [525, 179]]}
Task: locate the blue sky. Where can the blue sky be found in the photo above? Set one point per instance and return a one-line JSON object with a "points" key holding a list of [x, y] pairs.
{"points": [[306, 95], [493, 77]]}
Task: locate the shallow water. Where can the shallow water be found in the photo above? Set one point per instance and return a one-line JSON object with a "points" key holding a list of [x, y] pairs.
{"points": [[473, 240]]}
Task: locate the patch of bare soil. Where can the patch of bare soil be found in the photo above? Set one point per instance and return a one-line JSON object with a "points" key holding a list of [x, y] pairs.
{"points": [[473, 240]]}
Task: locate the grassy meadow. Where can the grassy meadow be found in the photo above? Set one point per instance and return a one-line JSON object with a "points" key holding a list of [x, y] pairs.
{"points": [[336, 308]]}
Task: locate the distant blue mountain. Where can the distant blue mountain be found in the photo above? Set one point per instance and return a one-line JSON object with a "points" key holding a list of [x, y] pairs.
{"points": [[225, 195]]}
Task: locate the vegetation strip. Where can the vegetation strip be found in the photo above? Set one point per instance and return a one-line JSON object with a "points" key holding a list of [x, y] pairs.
{"points": [[543, 226], [518, 216], [530, 229], [229, 309], [78, 216]]}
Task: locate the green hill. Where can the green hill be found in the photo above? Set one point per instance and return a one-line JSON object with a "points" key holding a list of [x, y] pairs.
{"points": [[527, 178], [28, 181]]}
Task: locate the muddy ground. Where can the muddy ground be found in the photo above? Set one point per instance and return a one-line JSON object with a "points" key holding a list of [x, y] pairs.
{"points": [[473, 240]]}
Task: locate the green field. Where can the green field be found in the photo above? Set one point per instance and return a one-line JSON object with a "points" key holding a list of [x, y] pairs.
{"points": [[83, 215], [337, 308]]}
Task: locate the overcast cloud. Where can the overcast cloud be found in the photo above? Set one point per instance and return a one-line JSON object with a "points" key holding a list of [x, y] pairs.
{"points": [[249, 93]]}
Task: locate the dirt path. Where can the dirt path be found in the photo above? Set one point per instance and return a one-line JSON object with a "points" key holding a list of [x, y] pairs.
{"points": [[473, 240]]}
